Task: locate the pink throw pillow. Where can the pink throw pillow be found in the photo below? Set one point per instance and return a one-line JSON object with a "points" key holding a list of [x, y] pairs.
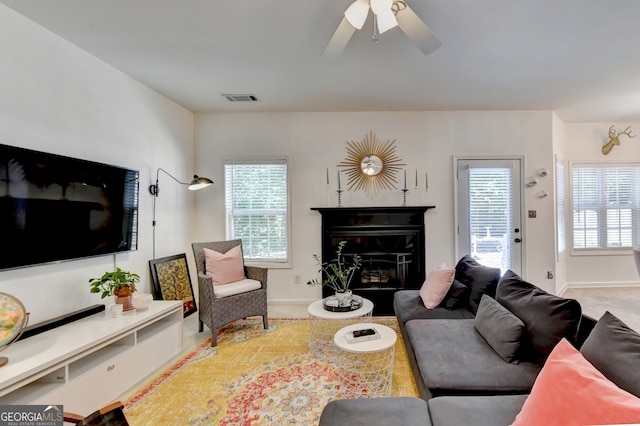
{"points": [[570, 391], [224, 268], [436, 286]]}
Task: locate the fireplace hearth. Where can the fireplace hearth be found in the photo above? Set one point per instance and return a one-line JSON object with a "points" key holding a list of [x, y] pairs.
{"points": [[391, 243]]}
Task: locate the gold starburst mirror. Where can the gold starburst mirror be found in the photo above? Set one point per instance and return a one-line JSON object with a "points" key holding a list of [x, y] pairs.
{"points": [[371, 165]]}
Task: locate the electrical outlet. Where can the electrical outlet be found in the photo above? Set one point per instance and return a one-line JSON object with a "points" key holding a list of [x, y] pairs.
{"points": [[297, 279], [549, 275], [532, 214]]}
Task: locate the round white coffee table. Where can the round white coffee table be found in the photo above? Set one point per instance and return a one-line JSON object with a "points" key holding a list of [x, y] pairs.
{"points": [[366, 368], [324, 324]]}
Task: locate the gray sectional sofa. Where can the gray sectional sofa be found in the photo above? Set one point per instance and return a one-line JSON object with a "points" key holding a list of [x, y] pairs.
{"points": [[475, 357]]}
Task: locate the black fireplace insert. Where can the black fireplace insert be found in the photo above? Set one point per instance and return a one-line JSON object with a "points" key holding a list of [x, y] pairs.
{"points": [[390, 242]]}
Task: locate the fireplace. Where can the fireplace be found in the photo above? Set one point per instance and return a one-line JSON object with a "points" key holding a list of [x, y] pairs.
{"points": [[391, 243]]}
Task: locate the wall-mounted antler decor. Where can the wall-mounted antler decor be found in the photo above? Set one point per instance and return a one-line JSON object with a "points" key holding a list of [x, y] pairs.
{"points": [[614, 138]]}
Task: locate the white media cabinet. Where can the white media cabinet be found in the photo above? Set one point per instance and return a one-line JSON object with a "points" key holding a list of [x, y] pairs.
{"points": [[91, 362]]}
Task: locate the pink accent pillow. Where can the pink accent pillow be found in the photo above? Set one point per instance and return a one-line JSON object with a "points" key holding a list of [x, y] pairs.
{"points": [[436, 286], [224, 268], [571, 391]]}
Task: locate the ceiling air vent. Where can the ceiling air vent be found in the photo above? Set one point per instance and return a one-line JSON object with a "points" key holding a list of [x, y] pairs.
{"points": [[242, 98]]}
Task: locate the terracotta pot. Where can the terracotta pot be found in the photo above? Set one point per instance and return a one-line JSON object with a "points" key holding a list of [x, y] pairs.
{"points": [[124, 296]]}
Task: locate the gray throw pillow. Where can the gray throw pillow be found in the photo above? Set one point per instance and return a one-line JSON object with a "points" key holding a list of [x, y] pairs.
{"points": [[457, 297], [547, 318], [500, 328], [614, 349]]}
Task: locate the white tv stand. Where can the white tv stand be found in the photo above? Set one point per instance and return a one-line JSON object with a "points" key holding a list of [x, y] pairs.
{"points": [[91, 362]]}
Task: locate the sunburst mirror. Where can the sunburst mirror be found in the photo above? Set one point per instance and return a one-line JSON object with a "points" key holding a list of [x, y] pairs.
{"points": [[371, 165]]}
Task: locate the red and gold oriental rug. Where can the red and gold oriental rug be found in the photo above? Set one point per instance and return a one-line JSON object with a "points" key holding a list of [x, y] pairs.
{"points": [[253, 377]]}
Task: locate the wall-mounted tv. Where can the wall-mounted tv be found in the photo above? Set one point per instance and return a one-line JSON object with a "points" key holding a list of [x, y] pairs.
{"points": [[55, 208]]}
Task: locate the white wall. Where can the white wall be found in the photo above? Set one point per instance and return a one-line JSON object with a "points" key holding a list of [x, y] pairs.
{"points": [[583, 142], [57, 98], [426, 141]]}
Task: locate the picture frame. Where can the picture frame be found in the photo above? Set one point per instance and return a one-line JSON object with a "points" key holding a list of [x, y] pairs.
{"points": [[171, 281]]}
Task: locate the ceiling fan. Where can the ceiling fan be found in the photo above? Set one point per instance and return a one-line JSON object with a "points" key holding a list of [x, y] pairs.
{"points": [[387, 15]]}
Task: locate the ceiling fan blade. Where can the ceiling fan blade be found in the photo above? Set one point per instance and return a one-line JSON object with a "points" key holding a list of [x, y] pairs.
{"points": [[339, 40], [417, 31]]}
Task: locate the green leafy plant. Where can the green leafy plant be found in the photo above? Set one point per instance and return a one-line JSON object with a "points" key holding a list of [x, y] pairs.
{"points": [[110, 282], [336, 274]]}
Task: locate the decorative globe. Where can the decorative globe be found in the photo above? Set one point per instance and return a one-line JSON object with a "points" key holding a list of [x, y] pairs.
{"points": [[13, 320]]}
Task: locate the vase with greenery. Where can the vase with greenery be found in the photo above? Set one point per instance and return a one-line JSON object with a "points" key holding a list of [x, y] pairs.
{"points": [[119, 283], [337, 274]]}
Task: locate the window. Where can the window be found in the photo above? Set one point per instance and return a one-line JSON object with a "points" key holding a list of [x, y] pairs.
{"points": [[257, 208], [606, 206]]}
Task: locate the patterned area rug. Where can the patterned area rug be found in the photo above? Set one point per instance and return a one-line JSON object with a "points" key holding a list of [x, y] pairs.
{"points": [[253, 377]]}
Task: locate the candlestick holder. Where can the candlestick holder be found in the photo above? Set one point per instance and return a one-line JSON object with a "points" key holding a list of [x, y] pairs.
{"points": [[404, 197], [339, 191]]}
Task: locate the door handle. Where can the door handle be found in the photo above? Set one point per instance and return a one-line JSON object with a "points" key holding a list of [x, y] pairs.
{"points": [[517, 240]]}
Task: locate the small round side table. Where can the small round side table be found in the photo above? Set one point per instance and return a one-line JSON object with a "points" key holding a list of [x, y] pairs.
{"points": [[324, 324], [366, 368]]}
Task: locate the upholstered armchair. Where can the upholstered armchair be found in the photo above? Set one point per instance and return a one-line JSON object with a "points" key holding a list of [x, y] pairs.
{"points": [[222, 303]]}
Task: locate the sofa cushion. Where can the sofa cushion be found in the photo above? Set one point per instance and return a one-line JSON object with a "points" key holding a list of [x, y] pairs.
{"points": [[571, 391], [453, 359], [457, 297], [408, 305], [614, 349], [479, 278], [436, 286], [547, 318], [475, 410], [376, 411], [500, 328]]}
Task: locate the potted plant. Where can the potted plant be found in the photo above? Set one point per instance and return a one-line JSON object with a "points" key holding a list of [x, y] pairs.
{"points": [[337, 275], [119, 283]]}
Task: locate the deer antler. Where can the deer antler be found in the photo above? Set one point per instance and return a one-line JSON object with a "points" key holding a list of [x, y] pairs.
{"points": [[614, 139], [627, 132]]}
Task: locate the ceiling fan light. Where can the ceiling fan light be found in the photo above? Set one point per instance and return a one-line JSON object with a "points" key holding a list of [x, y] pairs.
{"points": [[380, 7], [357, 13], [386, 22]]}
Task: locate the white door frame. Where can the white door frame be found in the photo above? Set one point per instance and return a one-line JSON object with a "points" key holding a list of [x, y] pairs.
{"points": [[456, 207]]}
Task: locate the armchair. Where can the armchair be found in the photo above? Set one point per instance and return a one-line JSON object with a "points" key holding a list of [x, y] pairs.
{"points": [[218, 305]]}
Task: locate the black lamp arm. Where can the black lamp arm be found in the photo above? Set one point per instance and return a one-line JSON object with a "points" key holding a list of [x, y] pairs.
{"points": [[153, 189]]}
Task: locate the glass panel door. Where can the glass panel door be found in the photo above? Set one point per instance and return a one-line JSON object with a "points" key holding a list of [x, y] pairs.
{"points": [[489, 213]]}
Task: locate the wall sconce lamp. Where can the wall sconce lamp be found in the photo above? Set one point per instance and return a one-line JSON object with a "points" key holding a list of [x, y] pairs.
{"points": [[198, 182]]}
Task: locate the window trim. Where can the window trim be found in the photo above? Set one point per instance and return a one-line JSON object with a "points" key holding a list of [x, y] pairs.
{"points": [[269, 159], [600, 251], [561, 209]]}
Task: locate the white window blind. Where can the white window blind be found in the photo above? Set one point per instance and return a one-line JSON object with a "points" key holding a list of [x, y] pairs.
{"points": [[606, 201], [560, 208], [490, 214], [257, 205]]}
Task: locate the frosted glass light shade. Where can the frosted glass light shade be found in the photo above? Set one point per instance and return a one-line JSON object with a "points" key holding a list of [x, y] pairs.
{"points": [[357, 13], [386, 21]]}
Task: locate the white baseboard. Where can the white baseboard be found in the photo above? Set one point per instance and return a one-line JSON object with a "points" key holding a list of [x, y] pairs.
{"points": [[605, 284]]}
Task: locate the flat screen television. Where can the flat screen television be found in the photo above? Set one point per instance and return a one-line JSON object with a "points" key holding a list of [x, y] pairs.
{"points": [[55, 208]]}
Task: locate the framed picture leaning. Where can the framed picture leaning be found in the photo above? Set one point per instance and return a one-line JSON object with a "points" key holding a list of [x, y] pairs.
{"points": [[171, 281]]}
